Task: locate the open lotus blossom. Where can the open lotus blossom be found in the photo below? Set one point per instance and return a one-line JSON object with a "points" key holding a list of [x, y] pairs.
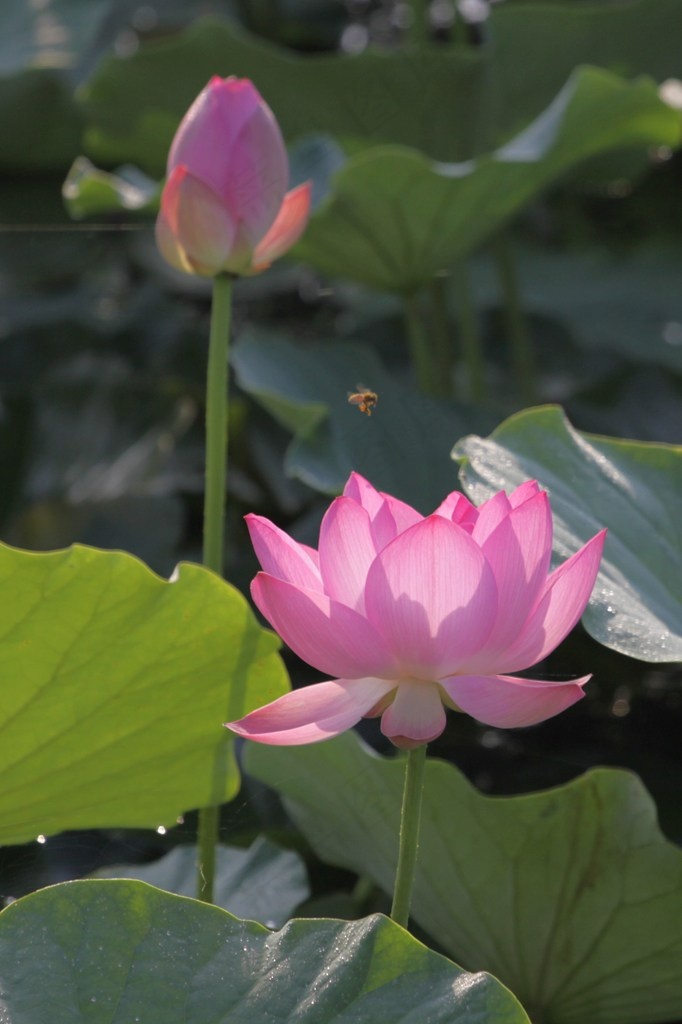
{"points": [[224, 207], [413, 614]]}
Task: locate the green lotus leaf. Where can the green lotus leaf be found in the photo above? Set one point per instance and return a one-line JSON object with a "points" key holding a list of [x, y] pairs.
{"points": [[571, 897], [451, 102], [631, 487], [393, 218], [114, 687], [121, 951], [264, 883]]}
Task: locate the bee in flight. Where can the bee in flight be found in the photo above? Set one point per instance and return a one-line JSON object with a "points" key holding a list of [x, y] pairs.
{"points": [[365, 399]]}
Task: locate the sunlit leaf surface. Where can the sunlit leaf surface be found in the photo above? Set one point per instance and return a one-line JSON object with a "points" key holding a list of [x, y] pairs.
{"points": [[572, 897], [120, 951], [114, 686]]}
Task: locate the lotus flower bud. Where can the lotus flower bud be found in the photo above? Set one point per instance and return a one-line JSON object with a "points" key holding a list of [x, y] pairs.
{"points": [[224, 207]]}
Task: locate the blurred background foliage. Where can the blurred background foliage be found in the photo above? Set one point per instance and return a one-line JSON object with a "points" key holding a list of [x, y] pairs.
{"points": [[566, 236]]}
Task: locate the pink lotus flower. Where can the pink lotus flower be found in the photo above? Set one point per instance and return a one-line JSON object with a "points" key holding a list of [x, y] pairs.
{"points": [[413, 614], [224, 207]]}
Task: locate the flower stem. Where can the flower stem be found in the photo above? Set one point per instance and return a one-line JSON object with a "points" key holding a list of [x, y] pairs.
{"points": [[214, 518], [362, 894], [442, 341], [207, 840], [419, 344], [469, 336], [216, 424], [419, 31], [522, 356], [409, 834]]}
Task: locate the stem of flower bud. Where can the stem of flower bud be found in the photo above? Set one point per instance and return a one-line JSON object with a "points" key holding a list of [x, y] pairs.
{"points": [[216, 424], [215, 496]]}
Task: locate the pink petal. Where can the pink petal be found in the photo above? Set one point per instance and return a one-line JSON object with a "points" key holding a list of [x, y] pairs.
{"points": [[168, 244], [281, 556], [506, 702], [558, 608], [328, 635], [256, 176], [518, 551], [346, 552], [393, 517], [490, 515], [361, 490], [432, 595], [202, 227], [206, 130], [289, 225], [313, 713], [416, 715], [458, 509], [208, 133], [523, 492], [312, 555], [388, 515]]}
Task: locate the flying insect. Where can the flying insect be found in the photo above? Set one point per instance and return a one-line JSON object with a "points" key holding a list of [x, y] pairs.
{"points": [[365, 399]]}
